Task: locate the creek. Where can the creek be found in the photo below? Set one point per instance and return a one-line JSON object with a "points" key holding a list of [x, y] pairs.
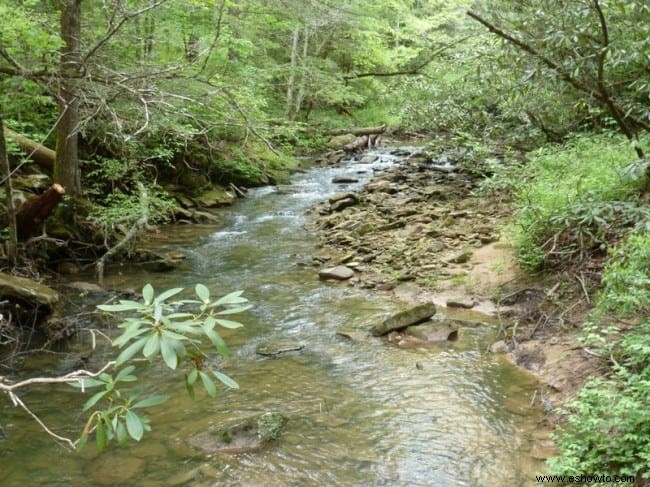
{"points": [[359, 413]]}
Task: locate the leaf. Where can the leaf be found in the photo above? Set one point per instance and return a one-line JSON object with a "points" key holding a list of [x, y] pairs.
{"points": [[209, 386], [124, 373], [168, 352], [192, 376], [81, 442], [152, 346], [123, 306], [134, 425], [218, 342], [130, 351], [232, 311], [147, 294], [168, 294], [232, 298], [150, 401], [100, 436], [225, 379], [203, 293], [128, 335], [229, 324], [120, 432], [209, 323], [94, 400]]}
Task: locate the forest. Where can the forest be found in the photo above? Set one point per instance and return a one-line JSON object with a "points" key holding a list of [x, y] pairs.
{"points": [[120, 115]]}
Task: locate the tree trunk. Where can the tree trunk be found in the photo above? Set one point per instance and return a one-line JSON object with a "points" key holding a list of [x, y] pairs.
{"points": [[292, 74], [358, 132], [38, 153], [303, 75], [66, 166], [11, 211], [35, 210]]}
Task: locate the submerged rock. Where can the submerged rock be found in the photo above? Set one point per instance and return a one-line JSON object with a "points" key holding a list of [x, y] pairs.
{"points": [[403, 319], [278, 347], [241, 435]]}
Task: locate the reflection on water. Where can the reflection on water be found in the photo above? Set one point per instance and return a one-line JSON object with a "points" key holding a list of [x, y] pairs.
{"points": [[360, 413]]}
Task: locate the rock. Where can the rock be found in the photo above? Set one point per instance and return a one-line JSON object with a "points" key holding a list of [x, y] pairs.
{"points": [[499, 347], [344, 180], [381, 186], [434, 331], [459, 258], [403, 319], [463, 302], [354, 335], [341, 140], [86, 287], [215, 197], [116, 469], [27, 292], [339, 273], [277, 347], [244, 435]]}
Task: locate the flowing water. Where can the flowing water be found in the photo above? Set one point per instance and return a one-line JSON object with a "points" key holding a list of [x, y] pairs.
{"points": [[360, 413]]}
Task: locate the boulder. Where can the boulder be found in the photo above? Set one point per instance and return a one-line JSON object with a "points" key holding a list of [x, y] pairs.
{"points": [[434, 331], [344, 180], [215, 197], [27, 292], [403, 319]]}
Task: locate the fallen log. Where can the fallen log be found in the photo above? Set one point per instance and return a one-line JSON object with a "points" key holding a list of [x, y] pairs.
{"points": [[35, 210], [38, 153], [358, 132]]}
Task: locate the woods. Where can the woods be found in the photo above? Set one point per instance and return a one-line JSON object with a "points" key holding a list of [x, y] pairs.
{"points": [[191, 102]]}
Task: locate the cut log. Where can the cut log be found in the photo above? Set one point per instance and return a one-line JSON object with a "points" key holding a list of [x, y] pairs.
{"points": [[38, 153], [35, 210], [358, 132]]}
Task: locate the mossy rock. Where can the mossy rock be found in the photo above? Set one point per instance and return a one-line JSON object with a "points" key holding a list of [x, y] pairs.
{"points": [[241, 435]]}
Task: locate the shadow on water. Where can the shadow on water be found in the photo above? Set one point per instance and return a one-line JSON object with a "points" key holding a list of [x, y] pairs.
{"points": [[360, 413]]}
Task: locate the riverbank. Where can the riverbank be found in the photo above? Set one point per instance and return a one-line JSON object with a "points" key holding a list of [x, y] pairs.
{"points": [[423, 231]]}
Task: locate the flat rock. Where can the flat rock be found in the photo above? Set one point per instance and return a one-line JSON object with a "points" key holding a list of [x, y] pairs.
{"points": [[240, 435], [26, 291], [340, 273], [434, 331], [403, 319], [463, 302], [278, 347]]}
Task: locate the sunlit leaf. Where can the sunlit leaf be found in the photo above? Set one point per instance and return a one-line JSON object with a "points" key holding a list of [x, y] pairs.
{"points": [[122, 306], [134, 425], [81, 442], [168, 352], [209, 386], [147, 294], [232, 298], [168, 294], [229, 324], [203, 293], [131, 350], [151, 401], [192, 376], [125, 375], [232, 311], [86, 383], [128, 335], [218, 342], [152, 346], [225, 379], [94, 400]]}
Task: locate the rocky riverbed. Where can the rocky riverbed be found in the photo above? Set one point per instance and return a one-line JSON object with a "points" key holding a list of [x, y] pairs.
{"points": [[423, 232]]}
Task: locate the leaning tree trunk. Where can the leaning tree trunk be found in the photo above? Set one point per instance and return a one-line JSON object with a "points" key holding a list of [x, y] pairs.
{"points": [[5, 173], [66, 166]]}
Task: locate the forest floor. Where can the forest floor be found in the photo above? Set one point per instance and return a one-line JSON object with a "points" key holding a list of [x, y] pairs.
{"points": [[422, 232]]}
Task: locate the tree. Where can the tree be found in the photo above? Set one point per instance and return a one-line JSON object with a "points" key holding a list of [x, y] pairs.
{"points": [[599, 49]]}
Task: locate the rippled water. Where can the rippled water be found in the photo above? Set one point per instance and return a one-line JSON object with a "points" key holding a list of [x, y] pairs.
{"points": [[360, 414]]}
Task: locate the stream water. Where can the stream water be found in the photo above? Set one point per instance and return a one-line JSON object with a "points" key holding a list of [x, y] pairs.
{"points": [[360, 413]]}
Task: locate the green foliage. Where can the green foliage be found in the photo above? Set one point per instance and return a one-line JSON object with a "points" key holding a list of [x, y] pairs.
{"points": [[160, 330], [575, 199], [607, 426]]}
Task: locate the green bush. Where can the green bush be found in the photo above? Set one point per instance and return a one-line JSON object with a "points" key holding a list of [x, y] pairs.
{"points": [[576, 199], [607, 428]]}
